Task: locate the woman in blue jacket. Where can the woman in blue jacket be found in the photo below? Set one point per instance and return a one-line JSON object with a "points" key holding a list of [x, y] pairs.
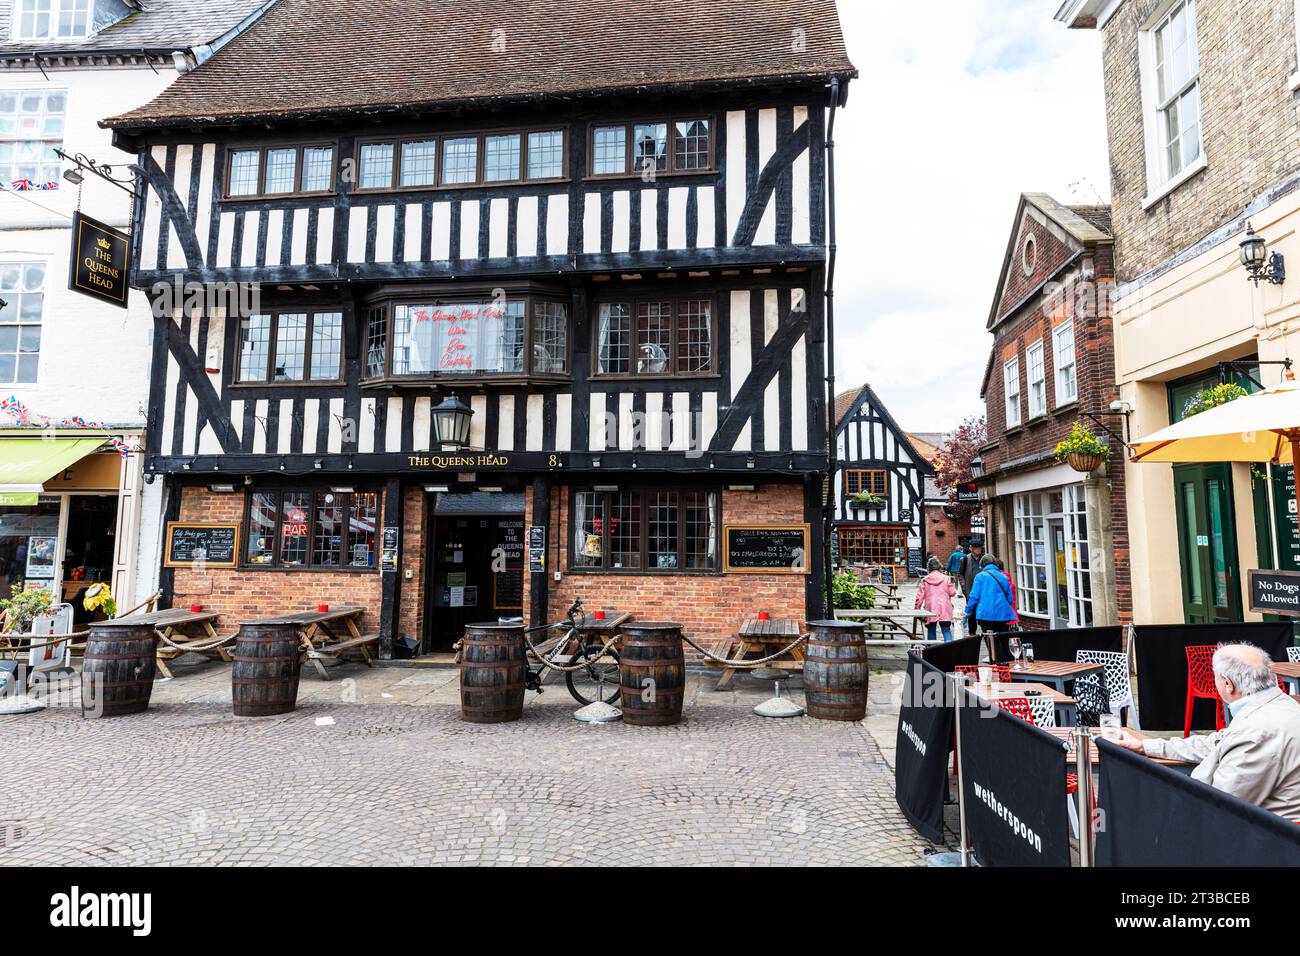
{"points": [[990, 602]]}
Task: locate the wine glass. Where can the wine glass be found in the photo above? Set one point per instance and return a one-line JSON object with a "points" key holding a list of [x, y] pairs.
{"points": [[1028, 651], [1013, 645]]}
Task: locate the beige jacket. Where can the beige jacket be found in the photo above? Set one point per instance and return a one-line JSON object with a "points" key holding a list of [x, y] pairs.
{"points": [[1256, 757]]}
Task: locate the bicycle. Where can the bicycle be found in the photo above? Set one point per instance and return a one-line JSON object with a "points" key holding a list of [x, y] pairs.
{"points": [[596, 681]]}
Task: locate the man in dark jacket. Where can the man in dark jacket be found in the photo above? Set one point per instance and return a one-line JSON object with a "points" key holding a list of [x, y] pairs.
{"points": [[970, 566]]}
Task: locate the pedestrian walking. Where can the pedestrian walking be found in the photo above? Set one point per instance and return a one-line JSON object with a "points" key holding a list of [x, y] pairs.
{"points": [[954, 563], [1015, 601], [989, 602], [935, 595], [970, 566]]}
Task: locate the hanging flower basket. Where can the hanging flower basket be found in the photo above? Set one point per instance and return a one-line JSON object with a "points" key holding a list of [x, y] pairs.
{"points": [[1085, 462]]}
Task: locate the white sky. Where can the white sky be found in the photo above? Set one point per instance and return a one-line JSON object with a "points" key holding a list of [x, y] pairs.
{"points": [[961, 106]]}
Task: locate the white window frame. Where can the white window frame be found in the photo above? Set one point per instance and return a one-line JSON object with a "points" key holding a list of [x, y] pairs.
{"points": [[8, 171], [13, 297], [55, 14], [1064, 395], [1078, 563], [1159, 182], [1011, 391], [1033, 586], [1036, 379]]}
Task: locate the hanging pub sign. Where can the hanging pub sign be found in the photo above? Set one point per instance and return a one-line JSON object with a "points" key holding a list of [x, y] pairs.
{"points": [[968, 493], [101, 260]]}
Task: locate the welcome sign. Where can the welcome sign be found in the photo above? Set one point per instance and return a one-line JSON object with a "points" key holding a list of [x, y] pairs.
{"points": [[101, 260]]}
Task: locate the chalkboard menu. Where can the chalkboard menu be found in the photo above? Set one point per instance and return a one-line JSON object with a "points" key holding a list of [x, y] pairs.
{"points": [[508, 590], [766, 549], [212, 545], [916, 562], [1275, 592]]}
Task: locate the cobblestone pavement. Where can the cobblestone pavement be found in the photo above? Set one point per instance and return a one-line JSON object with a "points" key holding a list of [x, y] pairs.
{"points": [[375, 767]]}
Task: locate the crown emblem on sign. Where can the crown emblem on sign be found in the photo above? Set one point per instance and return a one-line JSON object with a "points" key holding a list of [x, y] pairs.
{"points": [[102, 243]]}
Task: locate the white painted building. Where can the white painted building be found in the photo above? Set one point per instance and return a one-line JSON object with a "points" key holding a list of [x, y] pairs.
{"points": [[72, 509]]}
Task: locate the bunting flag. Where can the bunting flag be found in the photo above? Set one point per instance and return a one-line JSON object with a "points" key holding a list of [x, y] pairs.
{"points": [[14, 407], [27, 185]]}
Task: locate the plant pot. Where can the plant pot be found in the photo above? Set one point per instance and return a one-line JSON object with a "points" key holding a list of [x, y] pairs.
{"points": [[1085, 463], [866, 506]]}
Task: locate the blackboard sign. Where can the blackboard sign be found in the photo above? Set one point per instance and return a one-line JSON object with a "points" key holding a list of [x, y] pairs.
{"points": [[212, 545], [508, 590], [766, 549], [1275, 592], [101, 260], [916, 562]]}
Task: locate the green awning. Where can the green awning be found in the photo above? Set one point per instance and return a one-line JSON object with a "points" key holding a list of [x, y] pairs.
{"points": [[27, 463]]}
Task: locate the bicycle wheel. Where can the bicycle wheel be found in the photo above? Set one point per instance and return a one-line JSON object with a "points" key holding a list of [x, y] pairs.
{"points": [[598, 680]]}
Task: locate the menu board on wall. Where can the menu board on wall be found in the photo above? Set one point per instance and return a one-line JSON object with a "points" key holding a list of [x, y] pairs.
{"points": [[211, 545], [508, 590], [766, 549]]}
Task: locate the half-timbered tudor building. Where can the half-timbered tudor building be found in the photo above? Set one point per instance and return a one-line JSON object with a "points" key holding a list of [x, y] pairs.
{"points": [[879, 488], [607, 242]]}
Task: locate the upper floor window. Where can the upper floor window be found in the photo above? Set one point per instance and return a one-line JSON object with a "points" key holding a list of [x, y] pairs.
{"points": [[291, 347], [22, 287], [873, 482], [52, 19], [1067, 385], [523, 335], [655, 336], [1011, 390], [1172, 93], [652, 149], [310, 528], [1036, 373], [31, 128], [280, 171], [461, 159]]}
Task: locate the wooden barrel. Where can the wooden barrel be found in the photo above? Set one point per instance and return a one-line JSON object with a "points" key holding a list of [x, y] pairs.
{"points": [[118, 670], [835, 671], [651, 674], [493, 665], [267, 663]]}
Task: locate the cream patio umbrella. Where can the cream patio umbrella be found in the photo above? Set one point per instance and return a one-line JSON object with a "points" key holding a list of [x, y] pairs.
{"points": [[1261, 428]]}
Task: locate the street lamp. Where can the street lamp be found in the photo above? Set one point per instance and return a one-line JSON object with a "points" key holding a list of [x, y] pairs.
{"points": [[1259, 264], [451, 423]]}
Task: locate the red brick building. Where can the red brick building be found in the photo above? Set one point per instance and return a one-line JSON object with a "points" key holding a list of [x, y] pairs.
{"points": [[1061, 534]]}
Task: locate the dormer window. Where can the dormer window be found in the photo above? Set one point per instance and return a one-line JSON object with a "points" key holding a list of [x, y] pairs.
{"points": [[53, 19]]}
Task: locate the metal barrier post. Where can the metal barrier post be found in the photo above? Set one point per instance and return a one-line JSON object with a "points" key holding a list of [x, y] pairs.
{"points": [[1083, 769], [958, 681]]}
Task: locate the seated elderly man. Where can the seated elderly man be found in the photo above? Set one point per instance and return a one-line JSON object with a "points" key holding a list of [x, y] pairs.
{"points": [[1257, 756]]}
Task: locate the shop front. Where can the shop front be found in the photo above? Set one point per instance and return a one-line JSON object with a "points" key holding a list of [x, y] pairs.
{"points": [[69, 507]]}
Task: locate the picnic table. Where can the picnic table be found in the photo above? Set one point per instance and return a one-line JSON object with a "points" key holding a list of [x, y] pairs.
{"points": [[1058, 674], [1290, 674], [759, 639], [1067, 708], [896, 625], [589, 626], [320, 638], [176, 628]]}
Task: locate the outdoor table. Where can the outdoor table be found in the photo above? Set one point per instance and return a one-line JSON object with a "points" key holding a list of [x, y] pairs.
{"points": [[889, 622], [589, 626], [1290, 673], [761, 638], [1067, 709], [320, 640], [181, 626], [1094, 756], [1056, 673]]}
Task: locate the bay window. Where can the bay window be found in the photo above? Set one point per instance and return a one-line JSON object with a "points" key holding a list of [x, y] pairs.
{"points": [[1031, 555], [645, 530], [290, 347], [292, 529], [467, 336], [654, 337]]}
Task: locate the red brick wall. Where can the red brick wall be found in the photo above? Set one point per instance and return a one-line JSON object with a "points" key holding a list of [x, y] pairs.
{"points": [[242, 595], [943, 534], [709, 606], [415, 536]]}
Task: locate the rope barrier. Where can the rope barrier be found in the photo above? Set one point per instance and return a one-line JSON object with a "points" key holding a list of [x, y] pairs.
{"points": [[194, 646], [746, 665], [564, 641], [12, 647]]}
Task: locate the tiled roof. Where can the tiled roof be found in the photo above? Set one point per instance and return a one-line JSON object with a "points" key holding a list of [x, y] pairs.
{"points": [[318, 57], [1098, 216], [160, 25], [844, 401]]}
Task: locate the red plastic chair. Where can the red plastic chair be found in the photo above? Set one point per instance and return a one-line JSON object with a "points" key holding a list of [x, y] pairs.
{"points": [[1001, 672], [1200, 683], [1018, 707]]}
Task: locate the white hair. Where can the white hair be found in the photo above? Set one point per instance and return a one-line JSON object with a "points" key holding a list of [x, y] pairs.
{"points": [[1246, 665]]}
